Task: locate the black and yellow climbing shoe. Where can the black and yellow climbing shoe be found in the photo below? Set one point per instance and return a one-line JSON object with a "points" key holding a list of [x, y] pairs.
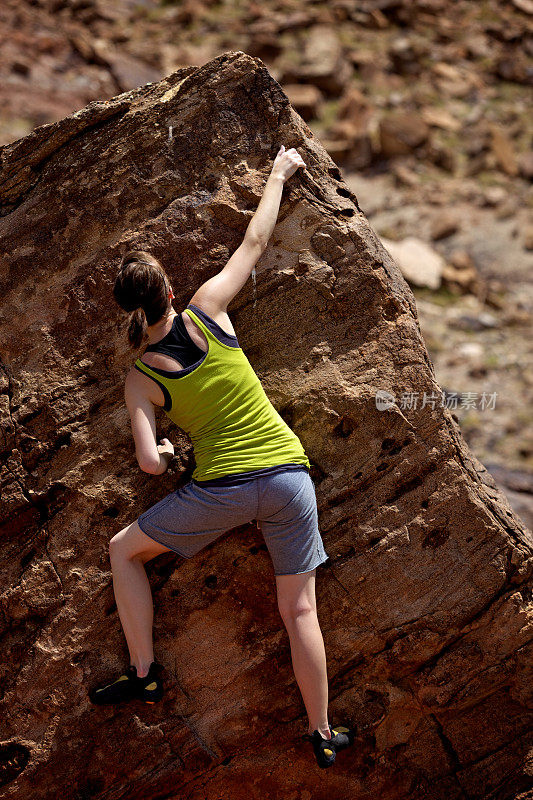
{"points": [[130, 687], [152, 684], [323, 749], [326, 749], [342, 737]]}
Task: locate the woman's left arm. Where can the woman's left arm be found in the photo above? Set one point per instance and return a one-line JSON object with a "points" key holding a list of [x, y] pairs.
{"points": [[263, 221], [151, 457], [217, 292]]}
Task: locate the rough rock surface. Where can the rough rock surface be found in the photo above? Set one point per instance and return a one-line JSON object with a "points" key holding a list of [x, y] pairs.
{"points": [[425, 602]]}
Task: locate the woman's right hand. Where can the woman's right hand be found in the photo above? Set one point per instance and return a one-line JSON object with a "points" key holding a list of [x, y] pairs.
{"points": [[287, 162], [166, 447]]}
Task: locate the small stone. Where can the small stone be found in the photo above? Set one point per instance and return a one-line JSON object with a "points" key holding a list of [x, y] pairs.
{"points": [[461, 259], [528, 237], [338, 149], [322, 62], [461, 281], [401, 133], [476, 323], [503, 151], [418, 262], [470, 349], [524, 5], [494, 195], [440, 118], [525, 164], [488, 320], [305, 98], [444, 225], [405, 176]]}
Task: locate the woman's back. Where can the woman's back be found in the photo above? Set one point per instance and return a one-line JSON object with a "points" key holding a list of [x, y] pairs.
{"points": [[185, 343], [218, 400]]}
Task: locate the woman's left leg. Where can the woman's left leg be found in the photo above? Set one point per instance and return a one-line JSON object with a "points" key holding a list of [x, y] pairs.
{"points": [[129, 550], [297, 606]]}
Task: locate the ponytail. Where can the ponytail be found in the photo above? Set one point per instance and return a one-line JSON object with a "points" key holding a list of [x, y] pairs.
{"points": [[142, 287], [137, 328]]}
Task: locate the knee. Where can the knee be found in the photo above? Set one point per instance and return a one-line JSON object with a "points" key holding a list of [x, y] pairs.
{"points": [[295, 611], [117, 546]]}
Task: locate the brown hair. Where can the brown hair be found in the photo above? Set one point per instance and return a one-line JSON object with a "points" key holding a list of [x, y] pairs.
{"points": [[141, 286]]}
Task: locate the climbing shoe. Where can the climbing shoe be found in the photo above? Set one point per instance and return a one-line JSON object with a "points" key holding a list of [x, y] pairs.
{"points": [[130, 687], [341, 737], [326, 749], [323, 749]]}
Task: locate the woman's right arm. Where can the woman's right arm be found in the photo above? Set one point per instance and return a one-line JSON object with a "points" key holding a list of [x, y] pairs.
{"points": [[215, 294], [151, 457]]}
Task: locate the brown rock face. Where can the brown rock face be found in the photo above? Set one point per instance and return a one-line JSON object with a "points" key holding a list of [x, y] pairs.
{"points": [[426, 600]]}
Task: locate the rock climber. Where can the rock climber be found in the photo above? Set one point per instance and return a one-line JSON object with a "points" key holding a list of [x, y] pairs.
{"points": [[250, 465]]}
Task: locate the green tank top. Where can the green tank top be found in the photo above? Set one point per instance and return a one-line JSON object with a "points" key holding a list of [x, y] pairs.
{"points": [[224, 409]]}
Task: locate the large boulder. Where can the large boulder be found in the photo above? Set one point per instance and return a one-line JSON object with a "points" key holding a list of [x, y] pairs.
{"points": [[425, 602]]}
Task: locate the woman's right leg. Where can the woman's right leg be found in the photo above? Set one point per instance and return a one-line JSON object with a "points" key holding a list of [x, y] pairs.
{"points": [[129, 550], [297, 606]]}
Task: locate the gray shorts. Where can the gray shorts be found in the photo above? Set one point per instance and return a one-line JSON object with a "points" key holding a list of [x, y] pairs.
{"points": [[283, 504]]}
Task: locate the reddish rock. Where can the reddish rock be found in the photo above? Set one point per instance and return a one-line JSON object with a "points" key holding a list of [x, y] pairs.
{"points": [[354, 106], [453, 81], [322, 63], [524, 5], [462, 280], [407, 54], [368, 62], [405, 176], [352, 126], [338, 149], [528, 237], [425, 602], [442, 156], [503, 151], [461, 276], [478, 45], [494, 196], [263, 39], [443, 225], [401, 133], [440, 118], [354, 145], [461, 259], [525, 164], [49, 69], [306, 99], [129, 72], [419, 263], [515, 66]]}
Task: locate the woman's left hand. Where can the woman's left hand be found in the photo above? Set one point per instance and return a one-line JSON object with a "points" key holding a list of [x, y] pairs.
{"points": [[287, 162]]}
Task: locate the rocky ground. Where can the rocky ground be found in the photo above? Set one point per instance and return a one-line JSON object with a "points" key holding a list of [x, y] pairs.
{"points": [[424, 110], [479, 341]]}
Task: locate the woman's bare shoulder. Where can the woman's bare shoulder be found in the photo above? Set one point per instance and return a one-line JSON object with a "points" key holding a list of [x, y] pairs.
{"points": [[139, 386], [217, 315]]}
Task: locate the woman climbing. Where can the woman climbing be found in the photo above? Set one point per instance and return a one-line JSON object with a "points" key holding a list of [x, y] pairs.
{"points": [[250, 465]]}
